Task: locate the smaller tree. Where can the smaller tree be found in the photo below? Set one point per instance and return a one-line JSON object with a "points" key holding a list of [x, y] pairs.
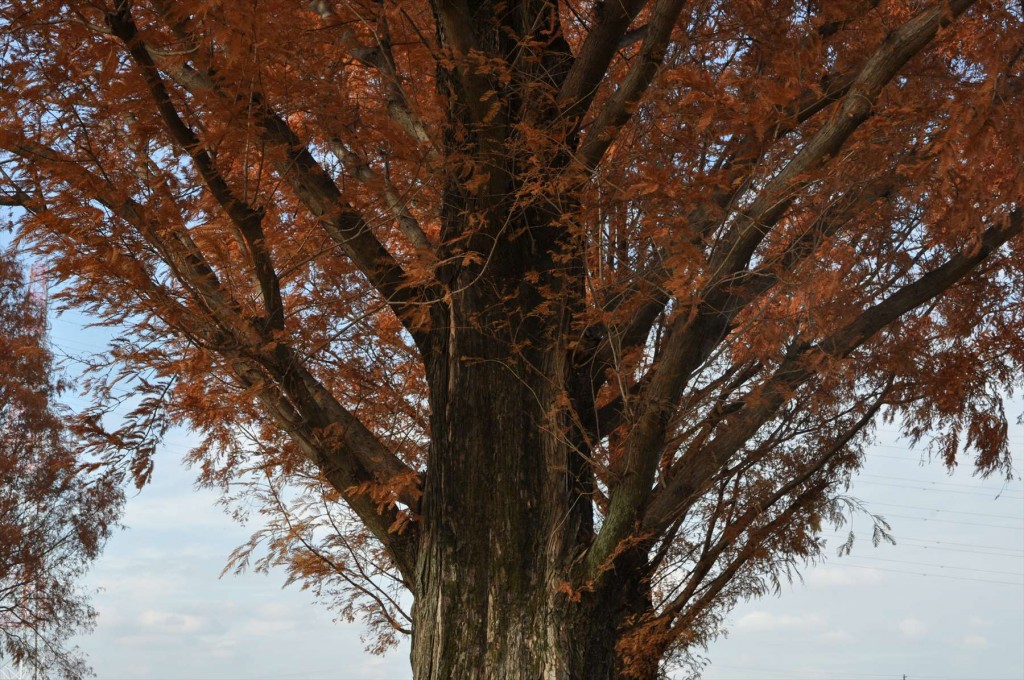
{"points": [[55, 511]]}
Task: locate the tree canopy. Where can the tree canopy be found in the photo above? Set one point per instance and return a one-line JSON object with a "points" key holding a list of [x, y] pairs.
{"points": [[570, 320], [54, 514]]}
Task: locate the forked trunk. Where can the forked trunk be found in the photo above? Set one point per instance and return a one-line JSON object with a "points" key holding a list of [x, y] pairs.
{"points": [[507, 502]]}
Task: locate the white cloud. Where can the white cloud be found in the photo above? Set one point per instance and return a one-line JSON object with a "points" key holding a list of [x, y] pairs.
{"points": [[110, 616], [265, 627], [142, 587], [175, 512], [172, 623], [913, 629], [837, 636], [975, 641], [978, 622], [278, 610], [222, 648], [765, 621]]}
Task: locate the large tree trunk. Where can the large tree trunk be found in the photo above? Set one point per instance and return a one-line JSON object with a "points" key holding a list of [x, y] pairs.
{"points": [[507, 501], [500, 526]]}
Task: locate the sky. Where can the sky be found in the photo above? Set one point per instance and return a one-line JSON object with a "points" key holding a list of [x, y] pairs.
{"points": [[945, 603]]}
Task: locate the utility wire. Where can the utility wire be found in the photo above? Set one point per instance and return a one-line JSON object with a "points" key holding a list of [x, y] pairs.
{"points": [[963, 493], [912, 479], [917, 573], [962, 545], [1018, 555], [937, 566], [953, 521], [954, 512]]}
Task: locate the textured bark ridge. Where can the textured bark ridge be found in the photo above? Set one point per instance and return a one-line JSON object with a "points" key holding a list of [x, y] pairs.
{"points": [[492, 576], [489, 552]]}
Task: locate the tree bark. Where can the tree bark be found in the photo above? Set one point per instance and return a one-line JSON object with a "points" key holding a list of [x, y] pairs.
{"points": [[481, 609], [500, 525]]}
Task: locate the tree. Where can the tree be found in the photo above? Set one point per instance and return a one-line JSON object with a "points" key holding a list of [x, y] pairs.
{"points": [[54, 514], [568, 319]]}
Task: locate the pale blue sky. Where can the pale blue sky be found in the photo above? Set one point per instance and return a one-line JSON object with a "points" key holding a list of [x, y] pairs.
{"points": [[946, 603]]}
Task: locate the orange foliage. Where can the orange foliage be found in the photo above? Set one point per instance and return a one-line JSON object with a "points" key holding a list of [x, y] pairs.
{"points": [[54, 514], [692, 249]]}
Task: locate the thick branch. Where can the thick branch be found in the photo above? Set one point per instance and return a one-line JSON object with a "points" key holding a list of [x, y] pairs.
{"points": [[407, 223], [17, 199], [651, 299], [349, 455], [596, 54], [247, 218], [620, 106], [381, 58], [348, 229], [320, 195], [604, 345], [751, 227], [697, 330], [455, 23], [338, 466], [804, 363]]}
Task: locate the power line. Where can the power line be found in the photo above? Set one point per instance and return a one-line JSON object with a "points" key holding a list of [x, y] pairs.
{"points": [[938, 566], [932, 576], [921, 463], [1009, 440], [818, 673], [884, 430], [962, 545], [962, 493], [1014, 555], [919, 481], [954, 512], [953, 521]]}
